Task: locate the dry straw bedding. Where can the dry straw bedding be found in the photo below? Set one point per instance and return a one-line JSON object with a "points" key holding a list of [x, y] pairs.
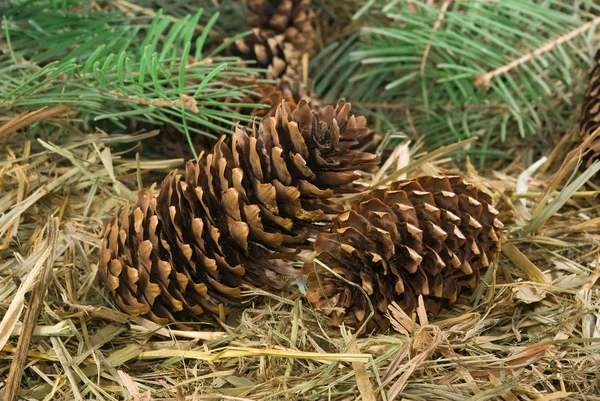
{"points": [[531, 331]]}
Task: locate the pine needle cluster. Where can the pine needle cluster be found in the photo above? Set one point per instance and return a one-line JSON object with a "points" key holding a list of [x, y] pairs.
{"points": [[450, 70], [118, 64]]}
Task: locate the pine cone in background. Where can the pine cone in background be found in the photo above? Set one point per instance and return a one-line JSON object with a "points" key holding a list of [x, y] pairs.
{"points": [[174, 144], [279, 57], [590, 116], [282, 32], [237, 214], [291, 18], [431, 236]]}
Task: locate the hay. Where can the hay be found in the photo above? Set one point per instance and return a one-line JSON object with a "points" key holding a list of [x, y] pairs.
{"points": [[530, 332]]}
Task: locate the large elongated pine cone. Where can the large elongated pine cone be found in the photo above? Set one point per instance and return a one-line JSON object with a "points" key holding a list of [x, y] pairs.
{"points": [[174, 144], [236, 214], [590, 116], [431, 236], [291, 18]]}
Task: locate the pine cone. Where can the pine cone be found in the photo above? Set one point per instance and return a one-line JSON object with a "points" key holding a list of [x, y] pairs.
{"points": [[173, 143], [431, 236], [190, 249], [290, 18], [590, 116], [279, 57]]}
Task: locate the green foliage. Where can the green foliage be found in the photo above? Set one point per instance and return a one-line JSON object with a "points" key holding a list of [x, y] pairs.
{"points": [[493, 69], [113, 66]]}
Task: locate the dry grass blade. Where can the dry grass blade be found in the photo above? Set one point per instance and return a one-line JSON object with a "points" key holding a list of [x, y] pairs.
{"points": [[9, 218], [542, 215], [147, 326], [565, 170], [11, 315], [240, 352], [133, 389], [429, 157], [427, 342], [558, 395], [29, 117], [360, 371], [521, 261], [32, 354], [59, 329], [36, 303]]}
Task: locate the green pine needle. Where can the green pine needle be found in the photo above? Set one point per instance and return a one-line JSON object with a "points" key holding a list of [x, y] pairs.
{"points": [[494, 69], [112, 66]]}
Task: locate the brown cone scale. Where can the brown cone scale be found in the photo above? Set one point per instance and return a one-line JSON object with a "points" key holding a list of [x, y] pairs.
{"points": [[280, 59], [290, 18], [234, 218], [431, 236]]}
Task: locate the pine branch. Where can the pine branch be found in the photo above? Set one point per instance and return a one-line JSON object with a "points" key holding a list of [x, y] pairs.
{"points": [[532, 56], [486, 79], [436, 26], [110, 67]]}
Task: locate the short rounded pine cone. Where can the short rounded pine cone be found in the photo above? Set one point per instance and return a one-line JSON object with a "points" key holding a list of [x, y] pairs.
{"points": [[235, 218], [291, 18], [430, 236]]}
